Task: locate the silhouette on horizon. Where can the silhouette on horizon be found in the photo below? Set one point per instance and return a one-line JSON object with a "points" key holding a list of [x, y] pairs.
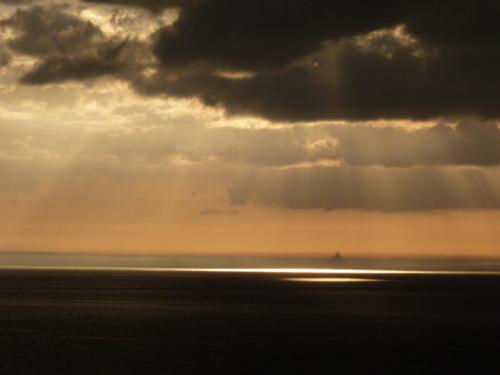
{"points": [[337, 257]]}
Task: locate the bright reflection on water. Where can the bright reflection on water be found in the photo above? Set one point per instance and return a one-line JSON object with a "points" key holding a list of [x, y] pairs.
{"points": [[331, 280]]}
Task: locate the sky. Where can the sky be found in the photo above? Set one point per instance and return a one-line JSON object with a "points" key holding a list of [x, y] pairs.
{"points": [[250, 127]]}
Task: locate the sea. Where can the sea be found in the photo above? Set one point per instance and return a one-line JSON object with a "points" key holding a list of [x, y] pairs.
{"points": [[82, 314]]}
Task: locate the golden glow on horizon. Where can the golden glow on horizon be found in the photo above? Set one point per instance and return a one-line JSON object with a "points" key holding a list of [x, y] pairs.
{"points": [[164, 222]]}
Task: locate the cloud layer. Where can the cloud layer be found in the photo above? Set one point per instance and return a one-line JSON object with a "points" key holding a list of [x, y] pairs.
{"points": [[373, 189], [316, 77], [314, 60], [289, 61]]}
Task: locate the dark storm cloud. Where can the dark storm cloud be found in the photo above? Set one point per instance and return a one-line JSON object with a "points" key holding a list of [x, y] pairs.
{"points": [[461, 24], [308, 60], [253, 34], [453, 83], [271, 25], [452, 70], [375, 189], [261, 34], [353, 82], [43, 31], [68, 48]]}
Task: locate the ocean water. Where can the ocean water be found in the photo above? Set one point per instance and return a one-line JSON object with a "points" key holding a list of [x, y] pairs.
{"points": [[248, 321]]}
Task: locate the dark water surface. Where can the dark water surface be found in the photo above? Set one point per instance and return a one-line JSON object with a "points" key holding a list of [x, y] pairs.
{"points": [[136, 322]]}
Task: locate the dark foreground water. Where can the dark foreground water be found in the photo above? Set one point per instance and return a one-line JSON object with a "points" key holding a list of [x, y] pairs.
{"points": [[136, 322]]}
